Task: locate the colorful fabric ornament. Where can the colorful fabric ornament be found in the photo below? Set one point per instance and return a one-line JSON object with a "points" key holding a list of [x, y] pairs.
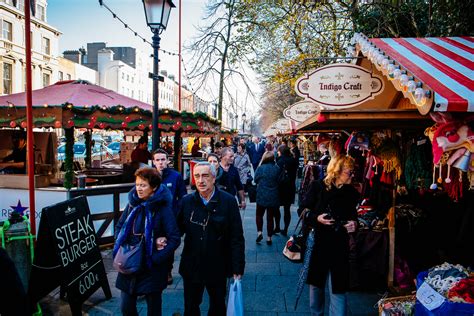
{"points": [[463, 291]]}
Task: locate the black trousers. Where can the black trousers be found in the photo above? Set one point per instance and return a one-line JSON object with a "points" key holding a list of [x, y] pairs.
{"points": [[193, 297], [128, 305]]}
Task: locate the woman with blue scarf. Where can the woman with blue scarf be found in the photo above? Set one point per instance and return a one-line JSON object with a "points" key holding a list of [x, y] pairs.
{"points": [[148, 215]]}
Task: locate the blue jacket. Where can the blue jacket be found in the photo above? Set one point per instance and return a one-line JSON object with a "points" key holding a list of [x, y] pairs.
{"points": [[173, 180], [266, 178], [152, 280], [255, 153]]}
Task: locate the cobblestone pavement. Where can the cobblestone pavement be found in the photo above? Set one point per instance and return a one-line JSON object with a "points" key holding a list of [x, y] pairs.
{"points": [[269, 284]]}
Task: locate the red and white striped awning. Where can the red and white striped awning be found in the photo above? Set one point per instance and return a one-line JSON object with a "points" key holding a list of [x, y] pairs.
{"points": [[444, 64]]}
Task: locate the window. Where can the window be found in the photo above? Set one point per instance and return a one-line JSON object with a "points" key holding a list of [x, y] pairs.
{"points": [[7, 30], [46, 79], [46, 45], [123, 75], [7, 78], [61, 76], [20, 4], [68, 77], [40, 13]]}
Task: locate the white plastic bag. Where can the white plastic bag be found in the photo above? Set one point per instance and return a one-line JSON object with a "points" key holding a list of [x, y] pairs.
{"points": [[235, 305]]}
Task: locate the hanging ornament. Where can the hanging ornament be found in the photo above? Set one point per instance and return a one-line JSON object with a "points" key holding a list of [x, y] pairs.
{"points": [[12, 124], [124, 124], [440, 177], [23, 124], [178, 123], [160, 125], [127, 119], [433, 185], [90, 124], [150, 127], [141, 126], [321, 118], [102, 125], [70, 123], [93, 119], [57, 124]]}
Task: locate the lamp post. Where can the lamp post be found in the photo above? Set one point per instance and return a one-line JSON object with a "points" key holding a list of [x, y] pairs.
{"points": [[244, 119], [157, 13]]}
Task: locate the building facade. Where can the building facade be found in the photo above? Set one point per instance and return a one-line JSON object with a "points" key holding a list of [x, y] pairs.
{"points": [[44, 47]]}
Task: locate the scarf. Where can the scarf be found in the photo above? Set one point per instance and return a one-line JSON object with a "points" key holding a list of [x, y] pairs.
{"points": [[138, 205]]}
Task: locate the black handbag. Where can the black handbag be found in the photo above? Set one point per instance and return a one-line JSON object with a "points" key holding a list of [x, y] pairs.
{"points": [[252, 191], [129, 259], [295, 246]]}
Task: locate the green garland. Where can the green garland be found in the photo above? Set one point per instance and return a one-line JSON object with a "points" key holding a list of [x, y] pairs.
{"points": [[69, 154]]}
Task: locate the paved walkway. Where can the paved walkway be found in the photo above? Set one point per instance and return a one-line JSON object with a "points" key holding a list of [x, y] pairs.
{"points": [[268, 284]]}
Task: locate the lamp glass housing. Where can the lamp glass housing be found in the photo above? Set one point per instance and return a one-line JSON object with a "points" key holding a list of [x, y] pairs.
{"points": [[157, 13]]}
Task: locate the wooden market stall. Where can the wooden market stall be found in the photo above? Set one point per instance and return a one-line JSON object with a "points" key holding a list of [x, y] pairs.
{"points": [[79, 104], [428, 85]]}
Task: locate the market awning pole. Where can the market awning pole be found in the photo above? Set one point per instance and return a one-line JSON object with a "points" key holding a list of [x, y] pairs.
{"points": [[29, 120]]}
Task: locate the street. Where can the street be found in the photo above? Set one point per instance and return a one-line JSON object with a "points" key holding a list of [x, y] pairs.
{"points": [[269, 284]]}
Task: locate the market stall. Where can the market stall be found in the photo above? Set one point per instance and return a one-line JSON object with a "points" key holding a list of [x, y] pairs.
{"points": [[78, 104], [424, 178]]}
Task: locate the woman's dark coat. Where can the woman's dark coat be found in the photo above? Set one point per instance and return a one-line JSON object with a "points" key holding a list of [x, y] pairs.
{"points": [[216, 251], [331, 249], [164, 224], [266, 178], [287, 192]]}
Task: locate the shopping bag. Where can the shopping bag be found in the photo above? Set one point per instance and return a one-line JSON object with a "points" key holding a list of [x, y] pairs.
{"points": [[252, 191], [235, 304]]}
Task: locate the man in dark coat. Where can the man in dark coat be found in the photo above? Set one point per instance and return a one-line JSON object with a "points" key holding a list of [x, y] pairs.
{"points": [[255, 151], [214, 245], [173, 180]]}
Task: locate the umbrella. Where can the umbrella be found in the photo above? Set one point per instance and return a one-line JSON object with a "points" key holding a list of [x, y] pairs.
{"points": [[303, 274]]}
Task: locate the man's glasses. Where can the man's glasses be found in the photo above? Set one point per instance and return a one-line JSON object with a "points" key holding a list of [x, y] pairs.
{"points": [[202, 223]]}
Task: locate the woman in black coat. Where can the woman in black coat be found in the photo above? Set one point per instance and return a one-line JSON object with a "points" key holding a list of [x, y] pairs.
{"points": [[266, 178], [333, 214], [287, 187], [149, 215]]}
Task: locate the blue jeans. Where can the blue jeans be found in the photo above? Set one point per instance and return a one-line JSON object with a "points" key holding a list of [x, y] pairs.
{"points": [[128, 304], [337, 302]]}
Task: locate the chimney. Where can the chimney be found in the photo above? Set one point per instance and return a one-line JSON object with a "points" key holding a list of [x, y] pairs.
{"points": [[73, 55], [104, 56]]}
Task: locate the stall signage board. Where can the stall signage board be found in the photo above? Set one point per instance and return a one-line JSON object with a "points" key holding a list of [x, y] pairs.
{"points": [[280, 126], [301, 111], [339, 86], [67, 254]]}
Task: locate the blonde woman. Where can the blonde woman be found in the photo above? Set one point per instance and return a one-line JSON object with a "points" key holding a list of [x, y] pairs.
{"points": [[333, 215]]}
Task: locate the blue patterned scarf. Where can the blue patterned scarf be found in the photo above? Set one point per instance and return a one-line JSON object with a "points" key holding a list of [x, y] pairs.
{"points": [[138, 205]]}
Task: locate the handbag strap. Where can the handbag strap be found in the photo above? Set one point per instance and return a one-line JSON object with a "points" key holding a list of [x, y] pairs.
{"points": [[302, 215]]}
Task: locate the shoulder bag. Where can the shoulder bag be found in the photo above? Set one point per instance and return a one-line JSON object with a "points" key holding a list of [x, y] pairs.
{"points": [[130, 259], [294, 247]]}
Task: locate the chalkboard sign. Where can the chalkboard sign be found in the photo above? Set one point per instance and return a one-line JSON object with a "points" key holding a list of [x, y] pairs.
{"points": [[67, 255]]}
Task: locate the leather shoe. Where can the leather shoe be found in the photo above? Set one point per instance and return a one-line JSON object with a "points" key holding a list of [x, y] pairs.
{"points": [[277, 230], [284, 232], [259, 238], [269, 242]]}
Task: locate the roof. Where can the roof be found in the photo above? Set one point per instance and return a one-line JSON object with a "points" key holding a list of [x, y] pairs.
{"points": [[444, 64]]}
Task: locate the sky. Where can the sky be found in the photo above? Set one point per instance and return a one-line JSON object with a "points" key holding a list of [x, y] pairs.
{"points": [[85, 21]]}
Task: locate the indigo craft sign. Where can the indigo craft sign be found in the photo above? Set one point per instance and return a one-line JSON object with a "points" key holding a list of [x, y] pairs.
{"points": [[339, 86], [301, 111]]}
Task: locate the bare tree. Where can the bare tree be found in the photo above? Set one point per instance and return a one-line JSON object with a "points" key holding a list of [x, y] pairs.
{"points": [[218, 53]]}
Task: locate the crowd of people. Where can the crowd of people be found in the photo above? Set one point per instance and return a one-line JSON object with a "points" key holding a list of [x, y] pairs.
{"points": [[160, 211]]}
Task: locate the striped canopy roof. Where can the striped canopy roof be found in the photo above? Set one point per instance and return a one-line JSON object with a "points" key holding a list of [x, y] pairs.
{"points": [[445, 64]]}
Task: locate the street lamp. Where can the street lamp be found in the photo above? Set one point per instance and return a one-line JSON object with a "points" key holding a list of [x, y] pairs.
{"points": [[244, 119], [157, 13]]}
